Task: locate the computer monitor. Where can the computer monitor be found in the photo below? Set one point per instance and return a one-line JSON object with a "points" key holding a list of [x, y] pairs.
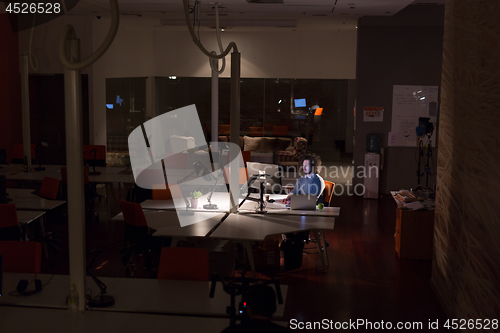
{"points": [[273, 184], [300, 102]]}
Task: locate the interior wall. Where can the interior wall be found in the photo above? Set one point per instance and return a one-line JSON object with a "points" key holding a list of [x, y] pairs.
{"points": [[10, 88], [140, 51], [45, 42], [405, 49], [349, 121], [466, 269]]}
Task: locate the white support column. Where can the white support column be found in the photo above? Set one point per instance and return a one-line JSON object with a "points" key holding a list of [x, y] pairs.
{"points": [[74, 162], [215, 101], [150, 98], [25, 92], [234, 167]]}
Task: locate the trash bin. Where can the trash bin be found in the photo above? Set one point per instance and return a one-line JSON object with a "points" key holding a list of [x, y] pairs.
{"points": [[292, 252]]}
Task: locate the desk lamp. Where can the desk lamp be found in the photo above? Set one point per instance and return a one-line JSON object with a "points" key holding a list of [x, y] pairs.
{"points": [[102, 300], [254, 177], [197, 168], [38, 151], [210, 205]]}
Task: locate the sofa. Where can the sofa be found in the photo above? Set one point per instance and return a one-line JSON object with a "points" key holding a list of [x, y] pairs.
{"points": [[275, 150]]}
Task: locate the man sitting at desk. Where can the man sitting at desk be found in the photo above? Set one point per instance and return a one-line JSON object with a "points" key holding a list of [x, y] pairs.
{"points": [[310, 182]]}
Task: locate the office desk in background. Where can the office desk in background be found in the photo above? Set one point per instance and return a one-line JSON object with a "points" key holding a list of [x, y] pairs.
{"points": [[22, 320], [24, 199], [151, 296]]}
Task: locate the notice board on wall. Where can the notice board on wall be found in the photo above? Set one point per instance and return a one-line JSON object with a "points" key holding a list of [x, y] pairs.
{"points": [[409, 103]]}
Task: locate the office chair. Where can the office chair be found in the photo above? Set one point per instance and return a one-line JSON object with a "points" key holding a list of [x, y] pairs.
{"points": [[280, 130], [95, 155], [49, 188], [9, 224], [184, 263], [255, 131], [136, 240], [328, 192], [224, 129], [18, 153], [89, 195], [328, 195], [21, 257], [160, 193]]}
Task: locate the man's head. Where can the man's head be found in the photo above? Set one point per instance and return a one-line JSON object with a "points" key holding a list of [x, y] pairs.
{"points": [[311, 164], [261, 301]]}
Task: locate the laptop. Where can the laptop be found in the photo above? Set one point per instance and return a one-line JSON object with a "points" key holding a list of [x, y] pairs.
{"points": [[303, 201]]}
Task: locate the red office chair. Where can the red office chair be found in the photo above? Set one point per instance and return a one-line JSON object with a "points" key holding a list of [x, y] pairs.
{"points": [[95, 155], [255, 131], [137, 239], [21, 257], [90, 192], [328, 192], [18, 153], [280, 130], [50, 188], [183, 263], [9, 224], [224, 129], [159, 193]]}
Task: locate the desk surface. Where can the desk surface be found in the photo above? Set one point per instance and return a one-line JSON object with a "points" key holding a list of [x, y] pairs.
{"points": [[108, 174], [24, 199], [239, 226], [21, 320], [28, 216], [131, 295], [258, 226], [219, 198]]}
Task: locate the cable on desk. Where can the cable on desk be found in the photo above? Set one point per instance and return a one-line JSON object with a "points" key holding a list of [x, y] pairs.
{"points": [[217, 225]]}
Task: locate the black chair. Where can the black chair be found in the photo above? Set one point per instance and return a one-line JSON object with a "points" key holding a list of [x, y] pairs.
{"points": [[136, 240]]}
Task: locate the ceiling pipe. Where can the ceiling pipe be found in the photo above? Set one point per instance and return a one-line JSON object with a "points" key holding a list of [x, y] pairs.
{"points": [[234, 108]]}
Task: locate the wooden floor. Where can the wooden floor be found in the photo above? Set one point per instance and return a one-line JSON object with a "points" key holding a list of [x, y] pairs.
{"points": [[365, 279]]}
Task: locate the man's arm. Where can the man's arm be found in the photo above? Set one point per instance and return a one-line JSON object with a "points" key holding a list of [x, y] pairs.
{"points": [[286, 200]]}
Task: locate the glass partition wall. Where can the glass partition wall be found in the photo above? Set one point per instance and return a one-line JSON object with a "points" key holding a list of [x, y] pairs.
{"points": [[315, 109]]}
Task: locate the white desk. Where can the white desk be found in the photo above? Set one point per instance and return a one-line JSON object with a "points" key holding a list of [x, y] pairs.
{"points": [[150, 296], [245, 226], [22, 320], [16, 172], [28, 216], [26, 200], [325, 212], [248, 227], [25, 217], [219, 198]]}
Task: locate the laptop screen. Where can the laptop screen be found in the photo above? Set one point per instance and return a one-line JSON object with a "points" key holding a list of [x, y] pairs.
{"points": [[303, 202]]}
